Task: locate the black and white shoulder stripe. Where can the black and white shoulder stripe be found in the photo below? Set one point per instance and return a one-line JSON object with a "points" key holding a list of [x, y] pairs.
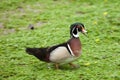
{"points": [[60, 45]]}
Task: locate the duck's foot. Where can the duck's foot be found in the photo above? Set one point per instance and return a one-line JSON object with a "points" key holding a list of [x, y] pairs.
{"points": [[74, 65]]}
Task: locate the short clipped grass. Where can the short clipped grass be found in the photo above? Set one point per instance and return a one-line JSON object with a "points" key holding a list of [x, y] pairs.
{"points": [[100, 59]]}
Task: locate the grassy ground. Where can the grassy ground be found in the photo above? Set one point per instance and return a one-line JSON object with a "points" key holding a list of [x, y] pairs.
{"points": [[101, 50]]}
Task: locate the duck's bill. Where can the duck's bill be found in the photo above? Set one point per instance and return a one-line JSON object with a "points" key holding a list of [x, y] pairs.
{"points": [[84, 32]]}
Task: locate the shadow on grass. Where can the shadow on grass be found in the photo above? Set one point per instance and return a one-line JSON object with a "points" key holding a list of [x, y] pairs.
{"points": [[46, 66]]}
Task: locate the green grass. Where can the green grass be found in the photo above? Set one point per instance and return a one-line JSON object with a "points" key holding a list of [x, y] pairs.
{"points": [[101, 50]]}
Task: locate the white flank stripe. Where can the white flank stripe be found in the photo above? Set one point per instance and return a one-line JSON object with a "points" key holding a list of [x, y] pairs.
{"points": [[70, 50]]}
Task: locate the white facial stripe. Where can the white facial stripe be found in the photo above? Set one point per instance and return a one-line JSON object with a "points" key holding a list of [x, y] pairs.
{"points": [[70, 50], [73, 29], [75, 35]]}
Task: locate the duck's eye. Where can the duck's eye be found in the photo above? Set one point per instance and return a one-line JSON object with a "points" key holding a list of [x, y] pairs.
{"points": [[79, 29]]}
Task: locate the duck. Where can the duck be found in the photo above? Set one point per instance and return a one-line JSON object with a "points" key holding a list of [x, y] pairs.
{"points": [[64, 53]]}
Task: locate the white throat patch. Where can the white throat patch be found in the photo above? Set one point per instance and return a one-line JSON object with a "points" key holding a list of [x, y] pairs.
{"points": [[75, 35]]}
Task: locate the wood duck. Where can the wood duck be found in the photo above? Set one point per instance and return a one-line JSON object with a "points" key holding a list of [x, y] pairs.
{"points": [[62, 53]]}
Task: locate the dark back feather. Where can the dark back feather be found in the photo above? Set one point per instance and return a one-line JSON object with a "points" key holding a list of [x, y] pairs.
{"points": [[40, 53]]}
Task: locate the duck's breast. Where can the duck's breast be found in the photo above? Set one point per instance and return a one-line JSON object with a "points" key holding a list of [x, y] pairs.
{"points": [[76, 46]]}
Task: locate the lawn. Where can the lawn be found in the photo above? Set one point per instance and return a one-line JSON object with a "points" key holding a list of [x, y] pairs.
{"points": [[100, 59]]}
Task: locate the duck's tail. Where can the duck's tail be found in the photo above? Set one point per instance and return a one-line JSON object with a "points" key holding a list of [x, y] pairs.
{"points": [[33, 51], [40, 53]]}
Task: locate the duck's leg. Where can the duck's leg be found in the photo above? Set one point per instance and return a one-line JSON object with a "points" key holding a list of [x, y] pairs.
{"points": [[48, 65], [73, 65], [56, 65]]}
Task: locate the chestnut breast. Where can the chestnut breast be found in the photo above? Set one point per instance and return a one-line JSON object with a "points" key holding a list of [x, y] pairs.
{"points": [[75, 45]]}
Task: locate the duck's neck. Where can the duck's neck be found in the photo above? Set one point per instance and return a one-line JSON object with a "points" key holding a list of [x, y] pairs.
{"points": [[74, 38]]}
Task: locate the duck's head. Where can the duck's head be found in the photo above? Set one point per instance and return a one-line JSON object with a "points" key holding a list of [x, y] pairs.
{"points": [[75, 28]]}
